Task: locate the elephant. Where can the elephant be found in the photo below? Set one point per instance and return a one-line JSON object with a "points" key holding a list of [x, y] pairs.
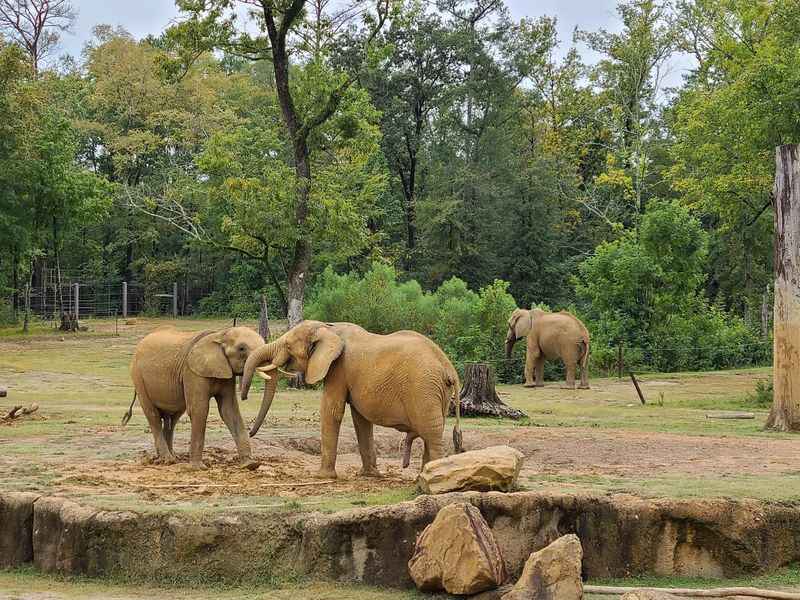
{"points": [[550, 336], [175, 372], [400, 380]]}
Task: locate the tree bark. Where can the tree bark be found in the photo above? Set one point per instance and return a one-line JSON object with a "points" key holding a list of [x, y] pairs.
{"points": [[479, 398], [263, 319], [785, 413]]}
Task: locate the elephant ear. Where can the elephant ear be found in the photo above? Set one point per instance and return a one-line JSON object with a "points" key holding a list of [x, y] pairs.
{"points": [[327, 348], [207, 359], [523, 323]]}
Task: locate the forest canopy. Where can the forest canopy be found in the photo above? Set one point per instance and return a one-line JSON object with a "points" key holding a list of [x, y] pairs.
{"points": [[456, 154]]}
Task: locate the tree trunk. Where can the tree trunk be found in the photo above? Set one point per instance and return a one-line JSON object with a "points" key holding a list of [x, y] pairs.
{"points": [[15, 281], [478, 397], [263, 319], [785, 413]]}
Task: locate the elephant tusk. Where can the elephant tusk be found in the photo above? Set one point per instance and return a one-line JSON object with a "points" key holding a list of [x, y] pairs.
{"points": [[287, 373], [263, 376], [267, 368]]}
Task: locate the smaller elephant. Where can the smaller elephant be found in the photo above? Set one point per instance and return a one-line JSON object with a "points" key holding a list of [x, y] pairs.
{"points": [[176, 372], [550, 336]]}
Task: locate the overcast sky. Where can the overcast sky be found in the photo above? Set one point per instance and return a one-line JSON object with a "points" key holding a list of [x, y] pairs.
{"points": [[142, 17]]}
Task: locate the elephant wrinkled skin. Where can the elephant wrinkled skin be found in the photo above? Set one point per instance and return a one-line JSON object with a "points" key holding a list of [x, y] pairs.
{"points": [[401, 380], [550, 336], [176, 372]]}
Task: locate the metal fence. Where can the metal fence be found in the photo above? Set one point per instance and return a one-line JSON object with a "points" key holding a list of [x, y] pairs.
{"points": [[103, 299]]}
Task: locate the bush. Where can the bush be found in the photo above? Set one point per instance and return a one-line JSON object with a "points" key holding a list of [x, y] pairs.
{"points": [[761, 396], [645, 292], [468, 326]]}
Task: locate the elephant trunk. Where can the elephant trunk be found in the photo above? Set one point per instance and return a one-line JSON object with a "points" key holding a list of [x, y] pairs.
{"points": [[511, 339], [272, 353], [269, 394]]}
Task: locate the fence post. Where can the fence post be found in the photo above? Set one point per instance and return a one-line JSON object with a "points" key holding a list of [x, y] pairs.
{"points": [[619, 361], [175, 300], [124, 299], [77, 301]]}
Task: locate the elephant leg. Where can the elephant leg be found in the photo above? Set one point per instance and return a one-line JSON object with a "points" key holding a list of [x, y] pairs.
{"points": [[153, 415], [539, 371], [169, 421], [232, 417], [570, 367], [584, 385], [434, 449], [366, 444], [331, 412]]}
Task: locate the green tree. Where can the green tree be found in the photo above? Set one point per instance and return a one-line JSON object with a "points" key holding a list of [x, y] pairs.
{"points": [[211, 24]]}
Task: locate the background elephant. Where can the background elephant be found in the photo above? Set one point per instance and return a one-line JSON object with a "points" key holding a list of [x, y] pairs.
{"points": [[401, 380], [550, 336], [176, 372]]}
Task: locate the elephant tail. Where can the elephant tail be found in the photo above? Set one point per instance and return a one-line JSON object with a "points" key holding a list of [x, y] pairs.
{"points": [[583, 346], [454, 386], [127, 416]]}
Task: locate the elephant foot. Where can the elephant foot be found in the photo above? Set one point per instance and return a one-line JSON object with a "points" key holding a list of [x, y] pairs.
{"points": [[325, 474], [532, 385], [198, 465], [584, 387], [249, 464], [169, 459], [567, 387], [371, 472]]}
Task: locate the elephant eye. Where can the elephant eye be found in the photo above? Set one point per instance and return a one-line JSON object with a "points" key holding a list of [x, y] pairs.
{"points": [[242, 348]]}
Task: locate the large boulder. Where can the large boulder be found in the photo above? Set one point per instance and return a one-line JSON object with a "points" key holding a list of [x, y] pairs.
{"points": [[552, 573], [457, 553], [493, 468]]}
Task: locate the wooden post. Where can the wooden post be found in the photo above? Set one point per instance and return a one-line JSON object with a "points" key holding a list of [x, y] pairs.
{"points": [[619, 361], [124, 299], [263, 319], [175, 300], [638, 389], [785, 413], [77, 302]]}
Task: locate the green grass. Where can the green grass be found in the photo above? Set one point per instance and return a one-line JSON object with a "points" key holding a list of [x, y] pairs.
{"points": [[28, 581], [786, 578], [777, 488]]}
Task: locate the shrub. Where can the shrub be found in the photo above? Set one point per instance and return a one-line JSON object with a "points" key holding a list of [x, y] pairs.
{"points": [[468, 326], [644, 292]]}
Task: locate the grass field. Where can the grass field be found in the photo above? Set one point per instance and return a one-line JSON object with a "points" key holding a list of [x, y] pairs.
{"points": [[601, 439], [27, 584]]}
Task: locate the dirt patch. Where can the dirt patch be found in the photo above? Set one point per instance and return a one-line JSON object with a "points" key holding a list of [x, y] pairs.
{"points": [[285, 472]]}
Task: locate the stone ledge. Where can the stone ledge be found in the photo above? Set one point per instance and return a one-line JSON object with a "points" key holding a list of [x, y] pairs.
{"points": [[621, 536]]}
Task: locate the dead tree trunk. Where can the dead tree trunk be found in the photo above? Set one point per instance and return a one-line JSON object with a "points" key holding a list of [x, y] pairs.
{"points": [[785, 413], [478, 397], [263, 319]]}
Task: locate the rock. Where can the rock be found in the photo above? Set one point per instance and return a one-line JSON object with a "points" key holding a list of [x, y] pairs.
{"points": [[457, 553], [3, 392], [495, 594], [494, 468], [553, 573], [16, 528], [648, 595]]}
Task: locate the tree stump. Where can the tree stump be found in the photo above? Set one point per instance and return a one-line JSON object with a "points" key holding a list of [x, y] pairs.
{"points": [[68, 322], [785, 413], [478, 397]]}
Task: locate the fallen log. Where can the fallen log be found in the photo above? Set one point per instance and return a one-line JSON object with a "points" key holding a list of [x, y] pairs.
{"points": [[20, 411], [602, 590], [723, 414]]}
